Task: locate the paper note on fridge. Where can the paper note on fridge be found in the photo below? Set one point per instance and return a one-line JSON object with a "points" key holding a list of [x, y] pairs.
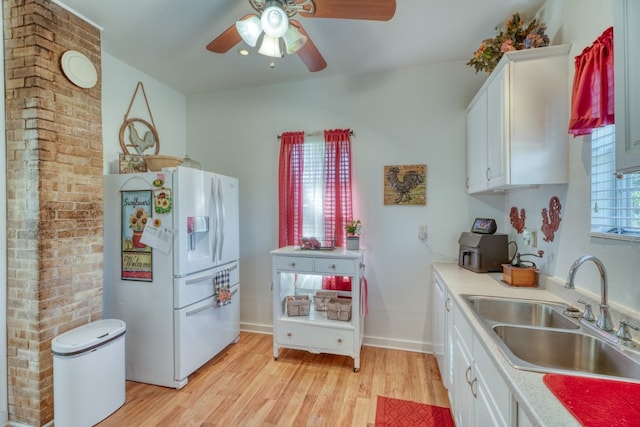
{"points": [[158, 237]]}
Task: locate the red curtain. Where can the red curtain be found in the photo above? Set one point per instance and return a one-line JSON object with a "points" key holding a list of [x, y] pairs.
{"points": [[290, 188], [338, 207], [337, 198], [592, 100]]}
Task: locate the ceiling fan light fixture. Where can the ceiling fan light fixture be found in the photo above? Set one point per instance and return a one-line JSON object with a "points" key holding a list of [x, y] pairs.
{"points": [[274, 19], [250, 30], [293, 40], [270, 47]]}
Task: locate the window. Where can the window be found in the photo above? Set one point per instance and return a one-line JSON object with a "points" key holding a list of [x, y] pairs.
{"points": [[314, 186], [615, 199], [315, 194]]}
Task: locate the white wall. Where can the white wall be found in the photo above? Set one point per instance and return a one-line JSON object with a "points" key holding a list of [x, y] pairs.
{"points": [[167, 105], [408, 116], [584, 21]]}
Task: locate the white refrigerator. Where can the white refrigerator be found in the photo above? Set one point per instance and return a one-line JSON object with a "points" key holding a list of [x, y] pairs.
{"points": [[171, 269]]}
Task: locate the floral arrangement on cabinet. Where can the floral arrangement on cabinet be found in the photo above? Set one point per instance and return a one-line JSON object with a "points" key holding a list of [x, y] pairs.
{"points": [[514, 36]]}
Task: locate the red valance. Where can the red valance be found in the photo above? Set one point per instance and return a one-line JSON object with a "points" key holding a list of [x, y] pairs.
{"points": [[592, 99]]}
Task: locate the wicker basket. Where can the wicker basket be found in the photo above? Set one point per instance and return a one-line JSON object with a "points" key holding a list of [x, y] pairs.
{"points": [[155, 163], [339, 309], [321, 298], [298, 305]]}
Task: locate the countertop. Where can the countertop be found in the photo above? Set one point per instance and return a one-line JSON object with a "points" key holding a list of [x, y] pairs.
{"points": [[533, 396]]}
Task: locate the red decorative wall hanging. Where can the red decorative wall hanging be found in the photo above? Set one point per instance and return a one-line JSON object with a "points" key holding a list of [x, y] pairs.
{"points": [[551, 219], [517, 221]]}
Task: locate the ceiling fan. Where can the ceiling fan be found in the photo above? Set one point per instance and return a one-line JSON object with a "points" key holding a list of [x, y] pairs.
{"points": [[273, 27]]}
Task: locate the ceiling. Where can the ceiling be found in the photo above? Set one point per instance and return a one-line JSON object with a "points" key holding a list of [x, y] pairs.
{"points": [[166, 39]]}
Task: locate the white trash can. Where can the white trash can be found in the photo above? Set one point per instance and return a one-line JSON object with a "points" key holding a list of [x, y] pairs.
{"points": [[88, 373]]}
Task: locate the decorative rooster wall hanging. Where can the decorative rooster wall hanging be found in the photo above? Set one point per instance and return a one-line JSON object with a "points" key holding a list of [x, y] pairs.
{"points": [[405, 185], [517, 221], [551, 219], [136, 144]]}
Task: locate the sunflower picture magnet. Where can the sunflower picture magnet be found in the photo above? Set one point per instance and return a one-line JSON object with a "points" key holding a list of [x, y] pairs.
{"points": [[162, 200]]}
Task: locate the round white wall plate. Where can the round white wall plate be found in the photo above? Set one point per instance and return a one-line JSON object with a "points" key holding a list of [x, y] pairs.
{"points": [[79, 69]]}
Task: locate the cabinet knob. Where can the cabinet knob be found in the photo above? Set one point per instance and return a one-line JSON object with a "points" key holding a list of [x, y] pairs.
{"points": [[289, 334], [332, 266], [339, 340], [293, 264]]}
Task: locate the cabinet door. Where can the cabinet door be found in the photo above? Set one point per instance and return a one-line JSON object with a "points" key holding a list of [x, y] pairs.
{"points": [[477, 145], [493, 398], [463, 384], [448, 343], [439, 326], [627, 84], [498, 128]]}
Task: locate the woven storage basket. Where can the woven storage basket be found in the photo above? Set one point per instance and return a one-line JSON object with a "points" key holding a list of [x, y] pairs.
{"points": [[321, 298], [298, 305], [339, 309], [157, 162]]}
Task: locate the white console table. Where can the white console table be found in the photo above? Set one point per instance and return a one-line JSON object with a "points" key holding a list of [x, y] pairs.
{"points": [[315, 333]]}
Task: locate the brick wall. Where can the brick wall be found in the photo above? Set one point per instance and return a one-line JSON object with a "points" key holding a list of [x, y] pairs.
{"points": [[54, 180]]}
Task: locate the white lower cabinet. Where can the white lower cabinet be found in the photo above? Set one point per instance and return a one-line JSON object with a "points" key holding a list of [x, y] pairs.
{"points": [[480, 395]]}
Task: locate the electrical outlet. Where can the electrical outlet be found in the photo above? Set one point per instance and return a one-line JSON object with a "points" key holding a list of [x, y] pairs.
{"points": [[530, 238], [422, 232]]}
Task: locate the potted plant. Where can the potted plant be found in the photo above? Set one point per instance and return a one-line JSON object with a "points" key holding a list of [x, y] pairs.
{"points": [[352, 227]]}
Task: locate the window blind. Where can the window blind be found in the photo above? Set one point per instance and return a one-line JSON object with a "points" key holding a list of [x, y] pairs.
{"points": [[615, 199], [313, 188]]}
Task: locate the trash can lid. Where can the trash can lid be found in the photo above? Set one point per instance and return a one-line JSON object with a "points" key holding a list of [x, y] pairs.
{"points": [[87, 336]]}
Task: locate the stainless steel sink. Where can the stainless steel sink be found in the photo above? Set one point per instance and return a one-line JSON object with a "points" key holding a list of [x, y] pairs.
{"points": [[549, 350], [521, 312]]}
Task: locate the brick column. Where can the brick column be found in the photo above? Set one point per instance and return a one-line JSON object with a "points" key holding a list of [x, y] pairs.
{"points": [[54, 196]]}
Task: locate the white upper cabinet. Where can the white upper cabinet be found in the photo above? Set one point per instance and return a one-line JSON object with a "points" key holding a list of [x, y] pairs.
{"points": [[517, 123], [626, 34]]}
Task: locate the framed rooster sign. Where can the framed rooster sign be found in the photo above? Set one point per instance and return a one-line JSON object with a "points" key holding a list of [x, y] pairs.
{"points": [[405, 185]]}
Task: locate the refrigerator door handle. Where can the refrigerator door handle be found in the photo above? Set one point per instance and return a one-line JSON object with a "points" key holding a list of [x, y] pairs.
{"points": [[222, 216], [200, 309], [214, 215]]}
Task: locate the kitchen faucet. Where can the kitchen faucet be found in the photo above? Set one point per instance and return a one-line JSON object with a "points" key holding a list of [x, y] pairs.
{"points": [[604, 321]]}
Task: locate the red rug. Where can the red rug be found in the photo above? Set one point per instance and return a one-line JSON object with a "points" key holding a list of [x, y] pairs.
{"points": [[405, 413], [597, 402]]}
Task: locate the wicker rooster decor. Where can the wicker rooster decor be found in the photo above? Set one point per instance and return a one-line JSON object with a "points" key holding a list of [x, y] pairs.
{"points": [[133, 143], [405, 185], [140, 144]]}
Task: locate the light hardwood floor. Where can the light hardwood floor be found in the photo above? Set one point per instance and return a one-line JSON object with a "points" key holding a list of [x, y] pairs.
{"points": [[244, 386]]}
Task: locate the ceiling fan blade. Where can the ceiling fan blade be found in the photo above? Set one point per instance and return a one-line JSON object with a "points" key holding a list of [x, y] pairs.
{"points": [[373, 10], [309, 53], [228, 39]]}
